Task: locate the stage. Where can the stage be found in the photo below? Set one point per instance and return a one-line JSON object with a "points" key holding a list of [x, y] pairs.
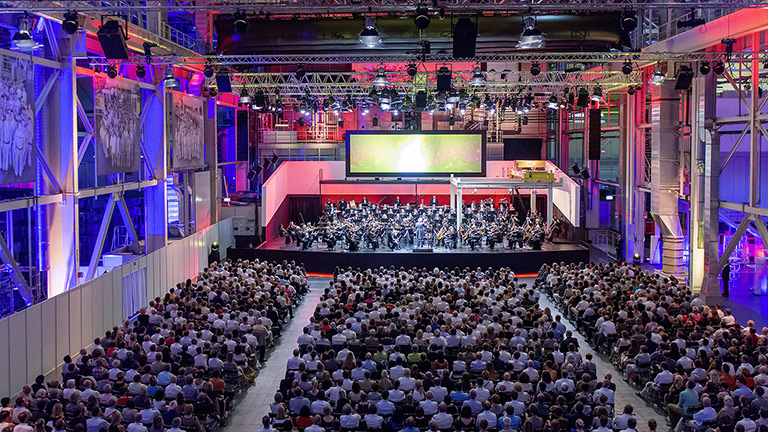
{"points": [[319, 260]]}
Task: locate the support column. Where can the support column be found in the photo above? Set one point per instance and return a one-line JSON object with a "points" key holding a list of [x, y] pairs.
{"points": [[631, 175], [59, 145], [665, 168], [211, 158], [591, 189], [533, 199], [155, 198]]}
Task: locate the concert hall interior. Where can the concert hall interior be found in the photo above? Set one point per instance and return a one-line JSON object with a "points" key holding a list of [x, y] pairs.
{"points": [[383, 215]]}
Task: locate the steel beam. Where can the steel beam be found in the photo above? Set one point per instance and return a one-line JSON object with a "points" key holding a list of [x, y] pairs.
{"points": [[24, 290], [123, 208], [760, 225], [101, 237], [731, 246], [40, 101], [744, 208], [736, 145]]}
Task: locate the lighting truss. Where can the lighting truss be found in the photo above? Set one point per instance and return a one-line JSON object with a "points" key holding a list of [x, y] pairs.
{"points": [[358, 85], [574, 57], [352, 6]]}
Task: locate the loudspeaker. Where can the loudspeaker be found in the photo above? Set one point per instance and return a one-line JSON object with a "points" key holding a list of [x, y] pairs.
{"points": [[222, 82], [443, 80], [112, 40], [242, 135], [594, 134], [421, 100], [464, 38]]}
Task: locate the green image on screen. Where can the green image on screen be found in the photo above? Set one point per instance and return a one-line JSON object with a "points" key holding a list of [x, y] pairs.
{"points": [[415, 153]]}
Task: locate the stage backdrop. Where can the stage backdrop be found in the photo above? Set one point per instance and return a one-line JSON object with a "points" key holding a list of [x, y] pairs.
{"points": [[187, 121], [117, 123], [407, 153], [17, 121]]}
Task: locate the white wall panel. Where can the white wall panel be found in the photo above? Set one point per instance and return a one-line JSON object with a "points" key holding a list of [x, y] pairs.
{"points": [[34, 317], [5, 362], [62, 326], [108, 316], [87, 308], [99, 325], [16, 345], [116, 283], [164, 268], [75, 321], [49, 336]]}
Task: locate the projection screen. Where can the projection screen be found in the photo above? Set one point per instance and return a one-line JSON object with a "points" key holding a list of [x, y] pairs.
{"points": [[415, 154]]}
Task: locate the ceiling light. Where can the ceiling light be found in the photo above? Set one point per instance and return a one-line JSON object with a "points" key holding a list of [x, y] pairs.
{"points": [[170, 81], [70, 24], [240, 23], [583, 99], [597, 94], [719, 67], [244, 96], [658, 76], [531, 38], [369, 37], [704, 68], [112, 71], [631, 90], [627, 67], [208, 71], [421, 20], [535, 68], [141, 71], [411, 70], [477, 78], [628, 20], [381, 77], [22, 40], [300, 71]]}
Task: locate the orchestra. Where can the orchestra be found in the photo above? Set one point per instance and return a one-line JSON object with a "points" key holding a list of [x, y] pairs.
{"points": [[352, 227]]}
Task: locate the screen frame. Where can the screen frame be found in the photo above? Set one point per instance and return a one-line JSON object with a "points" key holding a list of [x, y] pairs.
{"points": [[483, 154]]}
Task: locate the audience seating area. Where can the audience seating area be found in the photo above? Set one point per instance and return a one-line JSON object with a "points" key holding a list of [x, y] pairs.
{"points": [[692, 361], [439, 350], [180, 365]]}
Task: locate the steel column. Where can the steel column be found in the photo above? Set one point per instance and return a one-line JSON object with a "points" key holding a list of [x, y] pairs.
{"points": [[102, 236]]}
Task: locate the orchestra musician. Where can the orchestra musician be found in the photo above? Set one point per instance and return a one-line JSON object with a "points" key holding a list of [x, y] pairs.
{"points": [[398, 203], [433, 201]]}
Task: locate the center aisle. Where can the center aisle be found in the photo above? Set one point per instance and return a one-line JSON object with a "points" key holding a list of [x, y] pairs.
{"points": [[625, 393], [248, 413]]}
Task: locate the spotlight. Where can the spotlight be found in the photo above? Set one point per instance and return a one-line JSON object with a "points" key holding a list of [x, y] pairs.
{"points": [[478, 78], [441, 13], [628, 20], [300, 72], [240, 23], [170, 81], [719, 67], [112, 71], [636, 258], [583, 99], [552, 104], [658, 76], [369, 37], [626, 69], [535, 68], [704, 68], [531, 38], [411, 70], [70, 23], [22, 40], [208, 71], [597, 94], [380, 79], [141, 71], [244, 96], [212, 92], [575, 169], [684, 78], [728, 42], [421, 20], [631, 90]]}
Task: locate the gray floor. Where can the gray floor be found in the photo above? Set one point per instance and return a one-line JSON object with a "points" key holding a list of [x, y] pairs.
{"points": [[247, 415]]}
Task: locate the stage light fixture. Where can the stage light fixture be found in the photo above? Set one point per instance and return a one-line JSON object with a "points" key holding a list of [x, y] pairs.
{"points": [[728, 42], [70, 24], [421, 20], [141, 71], [658, 76], [169, 80], [552, 104], [22, 40], [631, 90], [704, 68], [411, 70], [719, 67], [585, 174], [628, 20], [212, 92], [208, 71], [575, 169], [300, 72], [626, 69], [684, 78], [240, 23], [597, 94], [112, 71], [380, 79], [244, 96], [535, 68], [478, 78], [369, 36], [531, 38], [583, 99]]}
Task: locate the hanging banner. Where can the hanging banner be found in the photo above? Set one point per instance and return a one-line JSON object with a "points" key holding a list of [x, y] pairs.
{"points": [[187, 119], [17, 121], [117, 123]]}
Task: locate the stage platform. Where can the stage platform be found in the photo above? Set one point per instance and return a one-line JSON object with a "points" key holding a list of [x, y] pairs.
{"points": [[324, 261]]}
